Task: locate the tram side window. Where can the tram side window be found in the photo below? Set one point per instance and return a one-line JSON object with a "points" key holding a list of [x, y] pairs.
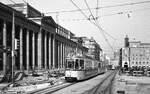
{"points": [[77, 64], [70, 64], [81, 64]]}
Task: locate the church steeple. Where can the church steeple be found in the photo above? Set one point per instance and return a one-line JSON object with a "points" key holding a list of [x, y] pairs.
{"points": [[126, 41]]}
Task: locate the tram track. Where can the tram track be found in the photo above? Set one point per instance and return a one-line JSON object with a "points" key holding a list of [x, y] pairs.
{"points": [[104, 87], [98, 89], [51, 89]]}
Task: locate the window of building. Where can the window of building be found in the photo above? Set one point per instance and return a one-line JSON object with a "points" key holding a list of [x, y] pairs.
{"points": [[143, 62], [132, 62], [136, 62], [147, 62], [139, 62]]}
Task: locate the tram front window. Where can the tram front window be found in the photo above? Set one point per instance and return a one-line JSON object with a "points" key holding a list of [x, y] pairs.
{"points": [[76, 64], [81, 64], [70, 64]]}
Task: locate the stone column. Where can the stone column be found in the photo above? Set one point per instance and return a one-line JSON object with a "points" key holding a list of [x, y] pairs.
{"points": [[54, 52], [33, 50], [27, 51], [50, 51], [45, 49], [58, 54], [64, 55], [67, 50], [39, 52], [21, 48], [5, 45], [61, 54]]}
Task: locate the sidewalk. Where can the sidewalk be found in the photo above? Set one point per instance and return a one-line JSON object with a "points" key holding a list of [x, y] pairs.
{"points": [[131, 85]]}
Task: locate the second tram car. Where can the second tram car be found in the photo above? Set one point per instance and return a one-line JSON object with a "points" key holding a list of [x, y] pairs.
{"points": [[82, 67]]}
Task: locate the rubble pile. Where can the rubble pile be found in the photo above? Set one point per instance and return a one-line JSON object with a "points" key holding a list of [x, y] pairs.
{"points": [[32, 82]]}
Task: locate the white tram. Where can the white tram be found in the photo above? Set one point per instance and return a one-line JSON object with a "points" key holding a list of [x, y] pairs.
{"points": [[82, 67]]}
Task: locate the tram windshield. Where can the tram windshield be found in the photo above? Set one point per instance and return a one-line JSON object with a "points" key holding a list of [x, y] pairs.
{"points": [[70, 64], [75, 64], [81, 64]]}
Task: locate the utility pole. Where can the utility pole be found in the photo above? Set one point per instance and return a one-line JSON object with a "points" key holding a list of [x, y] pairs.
{"points": [[13, 46], [57, 19]]}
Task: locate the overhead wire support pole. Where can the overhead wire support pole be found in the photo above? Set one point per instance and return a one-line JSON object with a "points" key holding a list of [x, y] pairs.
{"points": [[97, 9], [57, 17], [13, 46]]}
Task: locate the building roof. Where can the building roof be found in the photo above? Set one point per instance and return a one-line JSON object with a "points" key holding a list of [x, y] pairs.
{"points": [[26, 9]]}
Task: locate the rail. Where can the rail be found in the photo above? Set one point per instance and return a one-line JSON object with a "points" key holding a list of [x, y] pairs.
{"points": [[104, 87]]}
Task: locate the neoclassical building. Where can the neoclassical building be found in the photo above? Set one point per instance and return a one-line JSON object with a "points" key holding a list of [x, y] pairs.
{"points": [[42, 44]]}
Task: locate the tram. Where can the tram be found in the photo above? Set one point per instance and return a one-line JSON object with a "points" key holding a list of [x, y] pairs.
{"points": [[80, 67]]}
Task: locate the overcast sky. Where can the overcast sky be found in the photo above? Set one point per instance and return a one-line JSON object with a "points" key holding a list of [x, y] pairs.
{"points": [[132, 20]]}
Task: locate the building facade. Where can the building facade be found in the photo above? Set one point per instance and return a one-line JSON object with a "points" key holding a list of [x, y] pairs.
{"points": [[137, 54], [42, 44], [94, 48]]}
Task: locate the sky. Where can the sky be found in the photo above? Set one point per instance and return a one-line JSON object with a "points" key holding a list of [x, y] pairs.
{"points": [[132, 20]]}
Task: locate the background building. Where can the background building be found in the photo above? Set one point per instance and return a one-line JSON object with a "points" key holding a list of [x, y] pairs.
{"points": [[94, 48], [136, 54]]}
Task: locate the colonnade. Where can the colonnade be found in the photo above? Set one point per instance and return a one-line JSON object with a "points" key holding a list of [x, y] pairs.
{"points": [[37, 49]]}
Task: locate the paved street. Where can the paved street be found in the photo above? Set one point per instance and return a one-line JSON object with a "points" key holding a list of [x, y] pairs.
{"points": [[83, 86]]}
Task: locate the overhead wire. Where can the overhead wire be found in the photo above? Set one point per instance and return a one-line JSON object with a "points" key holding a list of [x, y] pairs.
{"points": [[79, 9], [111, 14], [98, 25], [89, 20], [12, 1], [126, 4], [110, 6], [24, 1]]}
